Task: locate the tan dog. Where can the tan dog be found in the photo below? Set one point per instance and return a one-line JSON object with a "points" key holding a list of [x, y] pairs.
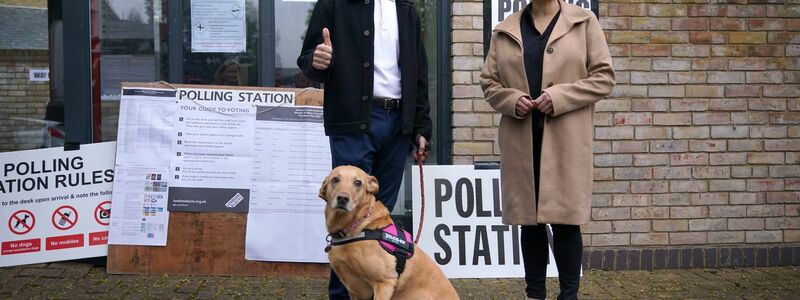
{"points": [[366, 269]]}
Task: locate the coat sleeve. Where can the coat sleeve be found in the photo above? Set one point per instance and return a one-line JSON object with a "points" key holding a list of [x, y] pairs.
{"points": [[502, 99], [571, 96], [422, 119], [320, 18]]}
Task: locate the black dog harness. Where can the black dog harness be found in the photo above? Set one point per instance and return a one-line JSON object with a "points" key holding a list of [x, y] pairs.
{"points": [[390, 239]]}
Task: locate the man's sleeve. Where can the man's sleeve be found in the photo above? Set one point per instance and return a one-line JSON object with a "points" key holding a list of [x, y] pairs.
{"points": [[422, 123], [320, 18]]}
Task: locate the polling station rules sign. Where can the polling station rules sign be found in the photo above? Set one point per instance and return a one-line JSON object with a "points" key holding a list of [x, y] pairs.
{"points": [[55, 204]]}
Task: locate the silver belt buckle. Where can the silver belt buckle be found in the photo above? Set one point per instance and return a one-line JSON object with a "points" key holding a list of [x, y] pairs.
{"points": [[387, 104]]}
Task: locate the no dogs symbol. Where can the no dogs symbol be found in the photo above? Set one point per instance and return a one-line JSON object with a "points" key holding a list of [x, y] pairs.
{"points": [[21, 222], [65, 217]]}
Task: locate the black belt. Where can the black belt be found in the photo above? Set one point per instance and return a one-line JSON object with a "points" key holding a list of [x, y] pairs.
{"points": [[386, 103]]}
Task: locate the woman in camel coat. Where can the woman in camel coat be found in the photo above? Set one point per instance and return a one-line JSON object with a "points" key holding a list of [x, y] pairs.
{"points": [[547, 65]]}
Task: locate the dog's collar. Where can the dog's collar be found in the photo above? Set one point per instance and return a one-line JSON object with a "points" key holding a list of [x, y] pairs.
{"points": [[343, 233]]}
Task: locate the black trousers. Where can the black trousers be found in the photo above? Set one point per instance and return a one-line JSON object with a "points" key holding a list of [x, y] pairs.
{"points": [[567, 241], [568, 252]]}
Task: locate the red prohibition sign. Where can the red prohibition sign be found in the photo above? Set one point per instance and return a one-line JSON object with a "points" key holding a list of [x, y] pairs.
{"points": [[18, 222], [65, 217], [102, 215]]}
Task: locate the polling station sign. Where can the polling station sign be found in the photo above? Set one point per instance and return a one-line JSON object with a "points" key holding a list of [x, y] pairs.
{"points": [[495, 11], [463, 230], [54, 204]]}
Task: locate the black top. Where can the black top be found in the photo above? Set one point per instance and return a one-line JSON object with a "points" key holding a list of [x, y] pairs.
{"points": [[534, 44], [348, 80]]}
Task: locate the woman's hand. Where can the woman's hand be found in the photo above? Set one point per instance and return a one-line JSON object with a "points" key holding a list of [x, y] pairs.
{"points": [[544, 104], [524, 106]]}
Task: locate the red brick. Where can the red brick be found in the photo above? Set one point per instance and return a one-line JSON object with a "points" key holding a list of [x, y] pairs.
{"points": [[708, 37], [783, 197], [672, 173], [729, 50], [645, 239], [649, 187], [669, 37], [650, 50], [651, 105], [747, 11], [687, 238], [672, 119], [774, 132], [725, 237], [688, 186], [748, 64], [668, 146], [646, 160], [706, 10], [742, 91], [727, 211], [728, 158], [707, 146], [765, 51], [755, 185], [750, 117], [728, 24], [670, 225], [666, 10], [627, 10], [649, 212], [709, 64], [746, 224], [691, 50]]}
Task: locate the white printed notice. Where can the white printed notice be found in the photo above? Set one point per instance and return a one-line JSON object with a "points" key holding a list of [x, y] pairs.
{"points": [[286, 221], [55, 204], [463, 230], [218, 26], [144, 147], [212, 156]]}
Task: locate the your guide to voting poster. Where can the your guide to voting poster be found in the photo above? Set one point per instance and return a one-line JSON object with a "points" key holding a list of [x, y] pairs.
{"points": [[55, 204], [216, 149]]}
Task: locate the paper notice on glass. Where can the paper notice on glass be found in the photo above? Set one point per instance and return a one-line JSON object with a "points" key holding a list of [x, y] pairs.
{"points": [[218, 26], [124, 68], [212, 156], [286, 220], [139, 204]]}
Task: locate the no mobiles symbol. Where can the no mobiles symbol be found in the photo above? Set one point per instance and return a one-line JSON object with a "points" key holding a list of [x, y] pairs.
{"points": [[21, 222], [65, 217]]}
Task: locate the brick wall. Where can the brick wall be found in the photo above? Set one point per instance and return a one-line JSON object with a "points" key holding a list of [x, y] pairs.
{"points": [[22, 102], [699, 143]]}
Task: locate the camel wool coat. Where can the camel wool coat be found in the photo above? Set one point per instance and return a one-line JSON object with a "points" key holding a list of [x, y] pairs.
{"points": [[576, 73]]}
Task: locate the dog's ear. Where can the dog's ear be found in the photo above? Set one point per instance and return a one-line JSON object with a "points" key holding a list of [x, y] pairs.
{"points": [[372, 185], [323, 190]]}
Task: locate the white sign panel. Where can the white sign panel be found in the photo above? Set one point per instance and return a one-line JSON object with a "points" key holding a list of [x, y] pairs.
{"points": [[55, 204], [39, 74], [501, 9], [286, 221], [463, 231], [218, 26]]}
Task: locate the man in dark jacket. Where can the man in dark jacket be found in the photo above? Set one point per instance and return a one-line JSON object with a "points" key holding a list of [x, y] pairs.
{"points": [[371, 58]]}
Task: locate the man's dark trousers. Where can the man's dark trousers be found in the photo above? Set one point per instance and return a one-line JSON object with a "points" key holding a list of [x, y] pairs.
{"points": [[382, 153]]}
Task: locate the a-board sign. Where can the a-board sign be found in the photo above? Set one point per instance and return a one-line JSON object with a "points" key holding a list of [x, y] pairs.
{"points": [[462, 229], [213, 242], [48, 199], [495, 11]]}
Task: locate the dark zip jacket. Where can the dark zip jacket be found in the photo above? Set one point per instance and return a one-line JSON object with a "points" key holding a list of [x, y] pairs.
{"points": [[348, 79]]}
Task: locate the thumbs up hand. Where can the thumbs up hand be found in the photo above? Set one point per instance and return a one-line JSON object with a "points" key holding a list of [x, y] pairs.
{"points": [[324, 52]]}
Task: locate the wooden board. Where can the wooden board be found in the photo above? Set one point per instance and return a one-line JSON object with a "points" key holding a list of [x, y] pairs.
{"points": [[208, 243]]}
